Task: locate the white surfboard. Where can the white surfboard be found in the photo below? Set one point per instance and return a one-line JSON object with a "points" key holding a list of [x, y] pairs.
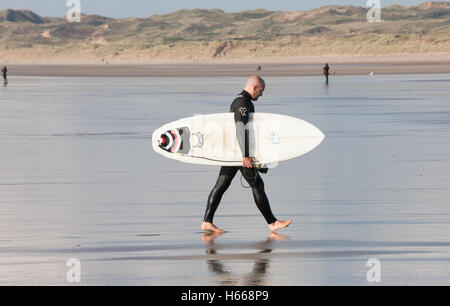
{"points": [[211, 139]]}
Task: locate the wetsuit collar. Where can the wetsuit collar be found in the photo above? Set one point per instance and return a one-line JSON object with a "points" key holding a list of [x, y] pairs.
{"points": [[246, 95]]}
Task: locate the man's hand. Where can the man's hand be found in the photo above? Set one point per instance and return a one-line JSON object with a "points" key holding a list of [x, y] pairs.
{"points": [[247, 162]]}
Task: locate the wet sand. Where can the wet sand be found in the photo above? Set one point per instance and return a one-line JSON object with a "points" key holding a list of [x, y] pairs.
{"points": [[79, 179], [218, 70]]}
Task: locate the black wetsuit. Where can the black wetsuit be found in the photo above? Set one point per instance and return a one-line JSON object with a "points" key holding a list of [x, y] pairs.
{"points": [[241, 107]]}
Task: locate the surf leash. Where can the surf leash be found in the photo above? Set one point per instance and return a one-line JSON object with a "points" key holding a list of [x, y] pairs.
{"points": [[255, 169]]}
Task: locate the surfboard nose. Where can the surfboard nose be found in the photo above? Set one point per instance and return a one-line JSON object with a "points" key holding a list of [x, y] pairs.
{"points": [[321, 135], [156, 138]]}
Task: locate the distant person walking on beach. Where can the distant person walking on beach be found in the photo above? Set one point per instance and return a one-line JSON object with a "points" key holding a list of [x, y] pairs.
{"points": [[4, 72], [326, 72]]}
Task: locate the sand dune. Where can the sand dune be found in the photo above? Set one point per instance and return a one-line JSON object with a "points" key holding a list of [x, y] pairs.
{"points": [[214, 35]]}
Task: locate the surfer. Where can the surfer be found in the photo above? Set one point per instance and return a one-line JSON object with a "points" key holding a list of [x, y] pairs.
{"points": [[326, 72], [4, 72], [241, 107]]}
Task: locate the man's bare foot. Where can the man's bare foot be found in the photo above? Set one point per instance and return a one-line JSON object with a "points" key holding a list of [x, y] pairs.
{"points": [[208, 226], [277, 225]]}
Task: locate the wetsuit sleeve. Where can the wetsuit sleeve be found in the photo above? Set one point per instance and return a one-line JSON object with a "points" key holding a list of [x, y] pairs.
{"points": [[241, 119]]}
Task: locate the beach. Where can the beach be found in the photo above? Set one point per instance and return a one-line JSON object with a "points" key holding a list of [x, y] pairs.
{"points": [[85, 200]]}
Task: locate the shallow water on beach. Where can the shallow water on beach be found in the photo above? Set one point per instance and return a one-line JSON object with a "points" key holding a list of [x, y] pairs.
{"points": [[79, 179]]}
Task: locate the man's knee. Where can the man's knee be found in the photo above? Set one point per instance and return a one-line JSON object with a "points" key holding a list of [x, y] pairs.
{"points": [[222, 184]]}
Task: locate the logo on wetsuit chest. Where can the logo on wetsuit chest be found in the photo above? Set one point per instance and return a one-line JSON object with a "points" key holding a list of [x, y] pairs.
{"points": [[243, 111]]}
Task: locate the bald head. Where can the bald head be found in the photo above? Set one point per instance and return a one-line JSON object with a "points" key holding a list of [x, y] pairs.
{"points": [[255, 86]]}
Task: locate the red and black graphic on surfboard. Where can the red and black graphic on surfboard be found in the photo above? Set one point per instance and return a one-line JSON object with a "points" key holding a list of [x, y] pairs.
{"points": [[176, 141]]}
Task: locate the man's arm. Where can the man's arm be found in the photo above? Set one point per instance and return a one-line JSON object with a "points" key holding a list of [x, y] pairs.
{"points": [[241, 118], [241, 122]]}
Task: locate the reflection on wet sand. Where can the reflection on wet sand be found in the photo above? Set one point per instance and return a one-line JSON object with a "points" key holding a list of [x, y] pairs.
{"points": [[256, 277]]}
